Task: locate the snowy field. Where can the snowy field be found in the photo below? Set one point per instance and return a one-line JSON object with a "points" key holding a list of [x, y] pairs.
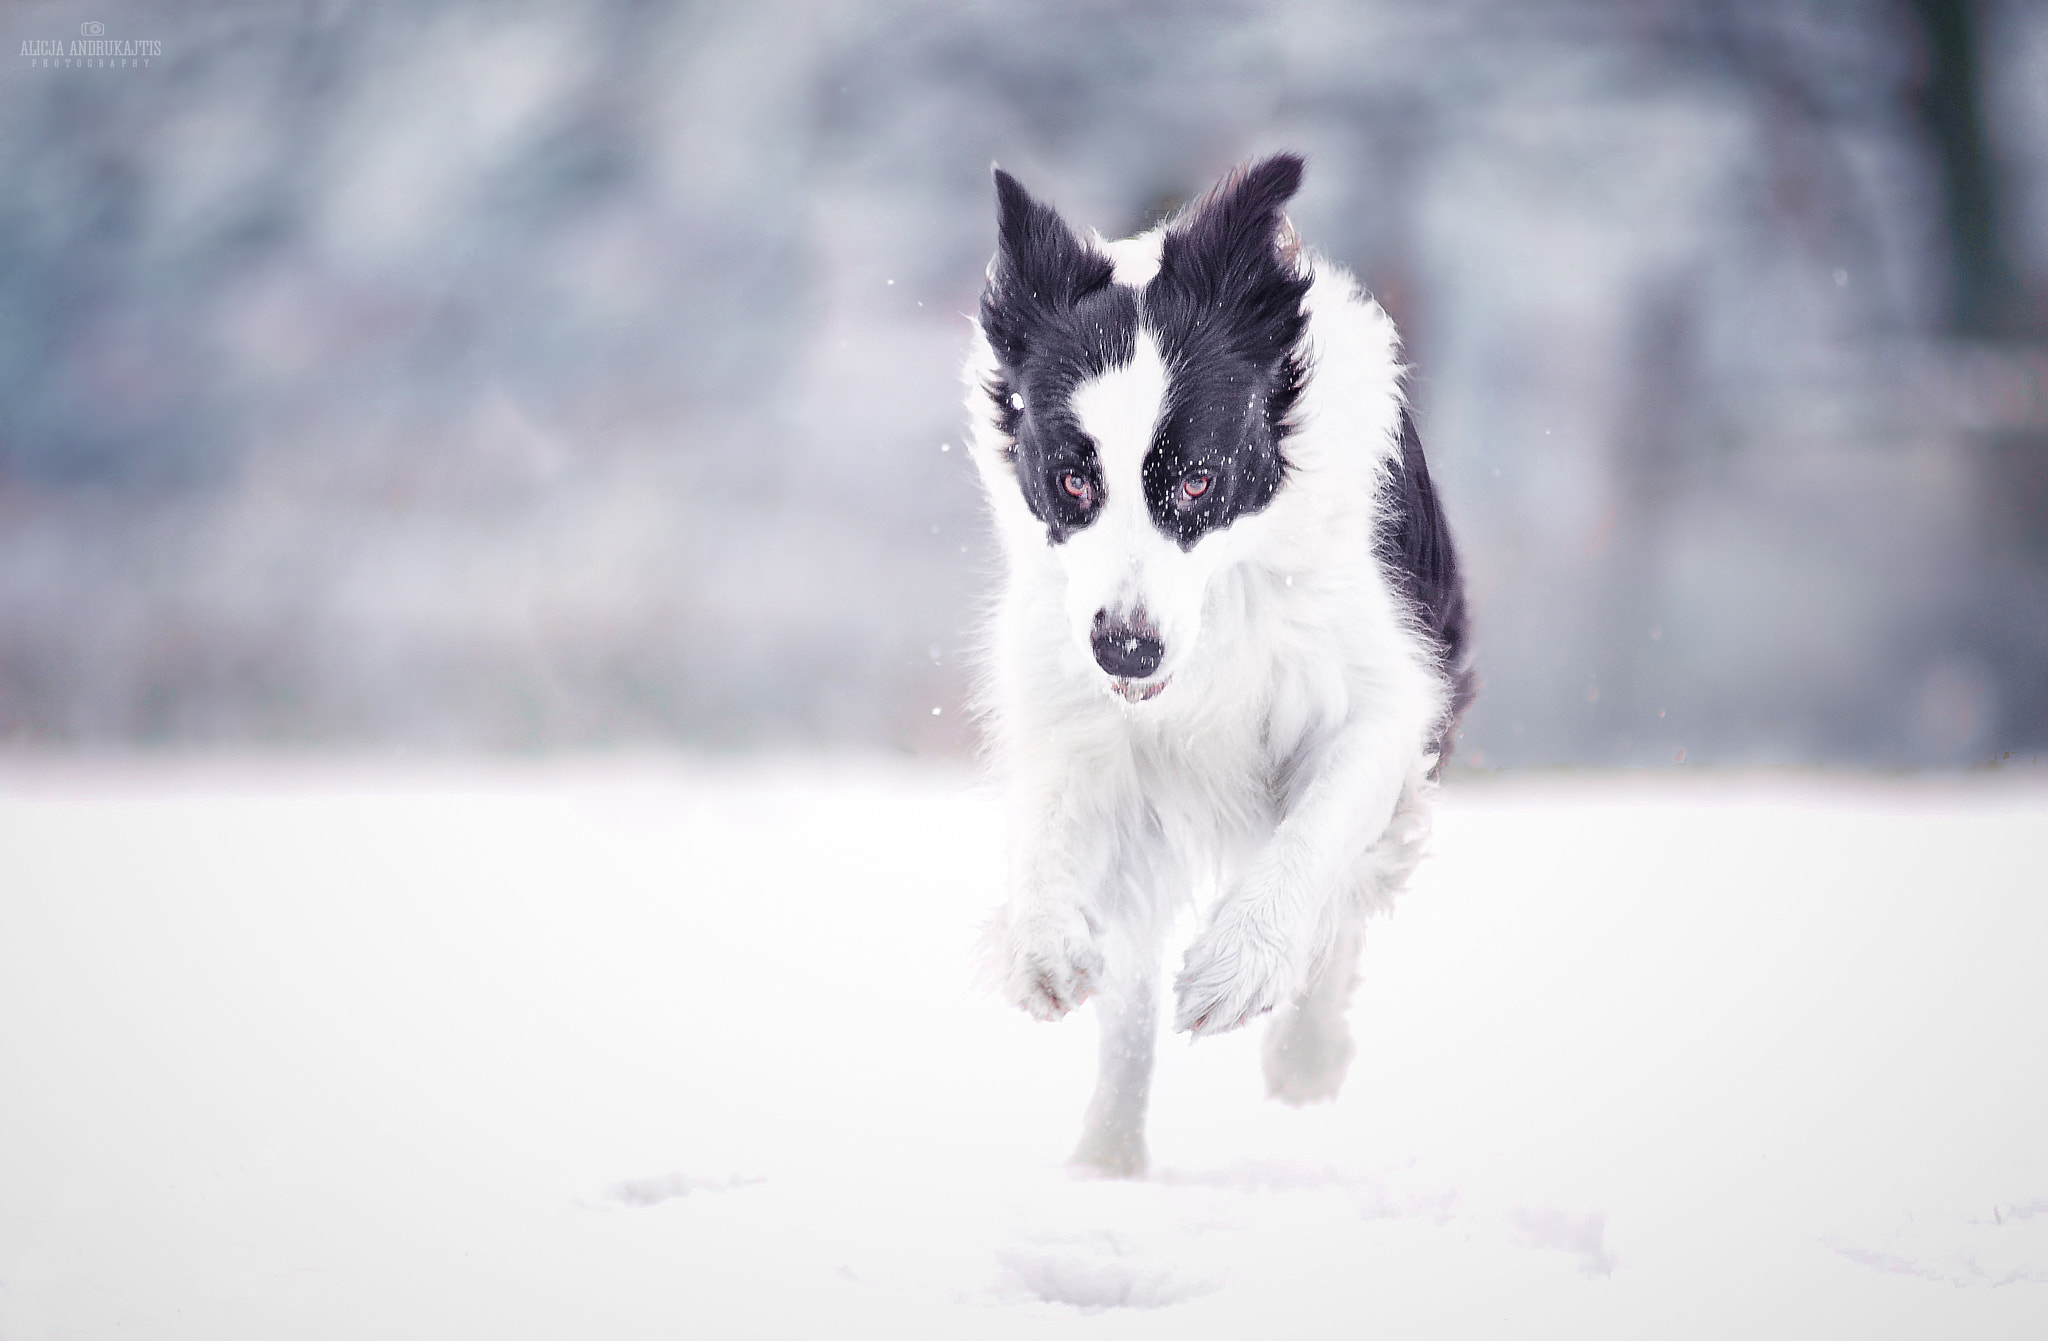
{"points": [[666, 1049]]}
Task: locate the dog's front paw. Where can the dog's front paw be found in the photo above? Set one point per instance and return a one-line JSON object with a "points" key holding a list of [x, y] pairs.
{"points": [[1050, 962], [1231, 976]]}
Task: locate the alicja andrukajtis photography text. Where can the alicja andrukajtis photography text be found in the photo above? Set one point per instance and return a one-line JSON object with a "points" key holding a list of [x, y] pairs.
{"points": [[91, 49]]}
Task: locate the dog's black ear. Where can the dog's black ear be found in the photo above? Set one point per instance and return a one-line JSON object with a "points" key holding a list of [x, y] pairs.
{"points": [[1226, 258], [1041, 270]]}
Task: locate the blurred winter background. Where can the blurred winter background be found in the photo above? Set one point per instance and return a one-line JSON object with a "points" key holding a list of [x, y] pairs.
{"points": [[542, 375], [578, 382]]}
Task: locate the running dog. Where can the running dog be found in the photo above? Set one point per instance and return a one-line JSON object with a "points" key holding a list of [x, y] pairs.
{"points": [[1229, 652]]}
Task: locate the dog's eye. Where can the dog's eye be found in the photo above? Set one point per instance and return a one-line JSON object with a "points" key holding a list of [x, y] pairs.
{"points": [[1195, 485], [1078, 486]]}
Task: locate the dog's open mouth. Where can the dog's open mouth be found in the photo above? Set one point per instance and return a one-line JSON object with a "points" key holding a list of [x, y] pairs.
{"points": [[1137, 691]]}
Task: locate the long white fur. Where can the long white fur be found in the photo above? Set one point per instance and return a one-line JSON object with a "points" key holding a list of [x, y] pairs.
{"points": [[1282, 771]]}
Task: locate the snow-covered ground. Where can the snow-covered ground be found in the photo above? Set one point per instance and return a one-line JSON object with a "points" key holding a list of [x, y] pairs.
{"points": [[671, 1049]]}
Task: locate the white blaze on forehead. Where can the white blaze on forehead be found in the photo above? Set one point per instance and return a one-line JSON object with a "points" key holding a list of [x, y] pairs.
{"points": [[1136, 258], [1114, 564], [1119, 409]]}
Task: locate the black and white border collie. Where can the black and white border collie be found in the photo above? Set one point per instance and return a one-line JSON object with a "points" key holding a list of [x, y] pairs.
{"points": [[1229, 650]]}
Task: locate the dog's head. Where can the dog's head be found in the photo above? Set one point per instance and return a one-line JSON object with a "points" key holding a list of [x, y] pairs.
{"points": [[1141, 391]]}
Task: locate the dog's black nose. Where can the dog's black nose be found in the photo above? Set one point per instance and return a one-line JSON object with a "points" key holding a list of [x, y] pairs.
{"points": [[1126, 649]]}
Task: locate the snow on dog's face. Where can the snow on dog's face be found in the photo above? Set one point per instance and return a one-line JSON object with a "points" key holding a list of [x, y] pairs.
{"points": [[1145, 401]]}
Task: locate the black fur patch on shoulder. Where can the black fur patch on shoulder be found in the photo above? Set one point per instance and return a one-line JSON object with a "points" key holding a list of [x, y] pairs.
{"points": [[1426, 564], [1054, 319], [1226, 310]]}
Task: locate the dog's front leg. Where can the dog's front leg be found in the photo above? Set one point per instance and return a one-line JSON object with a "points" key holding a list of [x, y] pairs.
{"points": [[1268, 931], [1046, 950], [1113, 1132]]}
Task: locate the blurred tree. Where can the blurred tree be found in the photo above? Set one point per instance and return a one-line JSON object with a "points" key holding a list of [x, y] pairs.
{"points": [[1993, 298], [1984, 295]]}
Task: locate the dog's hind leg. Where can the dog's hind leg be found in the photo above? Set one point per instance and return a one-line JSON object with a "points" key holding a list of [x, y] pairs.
{"points": [[1308, 1045]]}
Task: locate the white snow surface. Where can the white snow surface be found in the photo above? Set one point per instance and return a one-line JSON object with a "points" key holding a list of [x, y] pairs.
{"points": [[670, 1048]]}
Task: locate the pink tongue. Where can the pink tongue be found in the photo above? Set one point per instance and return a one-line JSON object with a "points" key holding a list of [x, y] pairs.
{"points": [[1134, 692]]}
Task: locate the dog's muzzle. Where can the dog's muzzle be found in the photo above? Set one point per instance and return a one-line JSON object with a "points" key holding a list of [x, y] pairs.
{"points": [[1129, 651]]}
